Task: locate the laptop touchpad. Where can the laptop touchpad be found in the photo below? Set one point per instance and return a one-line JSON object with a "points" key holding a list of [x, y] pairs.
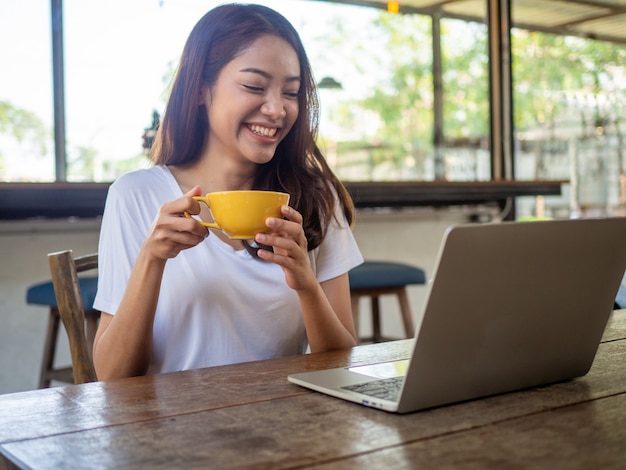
{"points": [[384, 370]]}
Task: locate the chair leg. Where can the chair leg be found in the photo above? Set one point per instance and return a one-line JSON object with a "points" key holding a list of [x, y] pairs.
{"points": [[377, 336], [405, 309], [49, 348]]}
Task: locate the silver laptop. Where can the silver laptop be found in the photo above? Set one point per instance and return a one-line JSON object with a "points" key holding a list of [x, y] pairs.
{"points": [[510, 306]]}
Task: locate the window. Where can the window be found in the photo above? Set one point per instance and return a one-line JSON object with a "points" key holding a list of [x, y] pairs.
{"points": [[570, 110], [119, 60], [377, 125], [465, 148], [405, 97], [26, 144]]}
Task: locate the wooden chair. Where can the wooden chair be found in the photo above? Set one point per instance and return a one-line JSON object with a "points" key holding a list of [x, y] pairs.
{"points": [[43, 294], [377, 278], [64, 269]]}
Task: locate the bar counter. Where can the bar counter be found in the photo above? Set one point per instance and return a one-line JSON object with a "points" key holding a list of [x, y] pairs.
{"points": [[59, 200]]}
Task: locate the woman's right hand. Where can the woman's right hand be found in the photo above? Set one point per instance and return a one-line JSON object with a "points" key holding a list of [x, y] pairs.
{"points": [[171, 231]]}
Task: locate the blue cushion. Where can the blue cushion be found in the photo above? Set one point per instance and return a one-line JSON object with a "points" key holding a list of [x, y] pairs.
{"points": [[373, 274], [43, 293]]}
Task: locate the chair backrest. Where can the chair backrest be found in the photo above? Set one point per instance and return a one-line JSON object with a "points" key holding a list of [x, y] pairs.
{"points": [[64, 269]]}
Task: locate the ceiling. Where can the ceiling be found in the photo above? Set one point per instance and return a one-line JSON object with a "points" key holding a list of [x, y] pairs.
{"points": [[598, 19]]}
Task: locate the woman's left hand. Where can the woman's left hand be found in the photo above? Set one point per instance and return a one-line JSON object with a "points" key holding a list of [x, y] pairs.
{"points": [[290, 248]]}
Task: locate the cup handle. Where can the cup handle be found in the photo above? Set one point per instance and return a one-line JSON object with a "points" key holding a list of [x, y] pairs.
{"points": [[206, 224]]}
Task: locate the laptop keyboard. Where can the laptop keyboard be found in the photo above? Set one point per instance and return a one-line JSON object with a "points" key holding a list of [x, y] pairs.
{"points": [[387, 389]]}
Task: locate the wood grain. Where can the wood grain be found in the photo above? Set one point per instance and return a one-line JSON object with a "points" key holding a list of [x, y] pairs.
{"points": [[249, 416]]}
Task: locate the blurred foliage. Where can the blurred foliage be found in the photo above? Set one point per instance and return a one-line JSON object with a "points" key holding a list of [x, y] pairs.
{"points": [[24, 127], [552, 74]]}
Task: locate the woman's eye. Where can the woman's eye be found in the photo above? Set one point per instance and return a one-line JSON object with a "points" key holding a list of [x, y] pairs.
{"points": [[292, 95], [254, 88]]}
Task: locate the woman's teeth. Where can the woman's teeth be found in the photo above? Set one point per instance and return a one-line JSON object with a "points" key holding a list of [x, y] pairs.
{"points": [[264, 131]]}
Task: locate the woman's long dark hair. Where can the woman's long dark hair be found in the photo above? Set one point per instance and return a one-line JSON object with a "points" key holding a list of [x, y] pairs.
{"points": [[298, 166]]}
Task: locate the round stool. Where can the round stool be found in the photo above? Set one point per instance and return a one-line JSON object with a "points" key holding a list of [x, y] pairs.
{"points": [[43, 294], [376, 278]]}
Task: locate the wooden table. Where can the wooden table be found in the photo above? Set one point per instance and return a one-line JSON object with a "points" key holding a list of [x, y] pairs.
{"points": [[248, 415]]}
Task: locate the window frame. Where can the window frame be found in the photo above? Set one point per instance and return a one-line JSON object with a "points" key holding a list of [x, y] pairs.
{"points": [[66, 199]]}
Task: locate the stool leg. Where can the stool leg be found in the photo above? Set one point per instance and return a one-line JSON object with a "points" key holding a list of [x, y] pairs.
{"points": [[407, 318], [49, 348], [377, 336]]}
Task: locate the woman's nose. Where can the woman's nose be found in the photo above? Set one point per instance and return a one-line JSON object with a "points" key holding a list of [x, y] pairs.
{"points": [[274, 107]]}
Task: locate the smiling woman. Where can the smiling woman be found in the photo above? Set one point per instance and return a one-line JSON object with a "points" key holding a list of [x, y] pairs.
{"points": [[264, 76], [240, 116]]}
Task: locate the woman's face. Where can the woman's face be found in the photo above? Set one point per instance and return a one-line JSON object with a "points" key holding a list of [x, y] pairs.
{"points": [[254, 102]]}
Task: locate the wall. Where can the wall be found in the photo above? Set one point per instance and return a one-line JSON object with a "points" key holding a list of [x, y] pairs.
{"points": [[411, 236], [23, 250], [407, 236]]}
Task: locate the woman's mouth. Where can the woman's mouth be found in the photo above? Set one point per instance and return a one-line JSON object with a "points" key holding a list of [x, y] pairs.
{"points": [[262, 130]]}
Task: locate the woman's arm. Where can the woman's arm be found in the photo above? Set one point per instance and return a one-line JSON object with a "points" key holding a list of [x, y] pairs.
{"points": [[123, 342], [326, 307], [327, 315]]}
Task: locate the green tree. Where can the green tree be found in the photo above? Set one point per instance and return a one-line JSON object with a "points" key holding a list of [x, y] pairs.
{"points": [[549, 69], [465, 64], [24, 126], [82, 165], [400, 103], [566, 89], [393, 113], [404, 104]]}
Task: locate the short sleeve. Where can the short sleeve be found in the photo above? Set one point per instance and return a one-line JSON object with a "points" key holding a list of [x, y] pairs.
{"points": [[338, 252], [132, 204]]}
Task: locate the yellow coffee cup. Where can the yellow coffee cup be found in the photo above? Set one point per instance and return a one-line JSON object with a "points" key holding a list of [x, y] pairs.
{"points": [[241, 214]]}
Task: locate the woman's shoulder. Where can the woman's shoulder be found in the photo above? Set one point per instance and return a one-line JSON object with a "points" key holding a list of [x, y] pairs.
{"points": [[154, 185], [141, 178]]}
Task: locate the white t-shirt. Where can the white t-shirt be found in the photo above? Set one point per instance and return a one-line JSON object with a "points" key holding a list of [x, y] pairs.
{"points": [[217, 305]]}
